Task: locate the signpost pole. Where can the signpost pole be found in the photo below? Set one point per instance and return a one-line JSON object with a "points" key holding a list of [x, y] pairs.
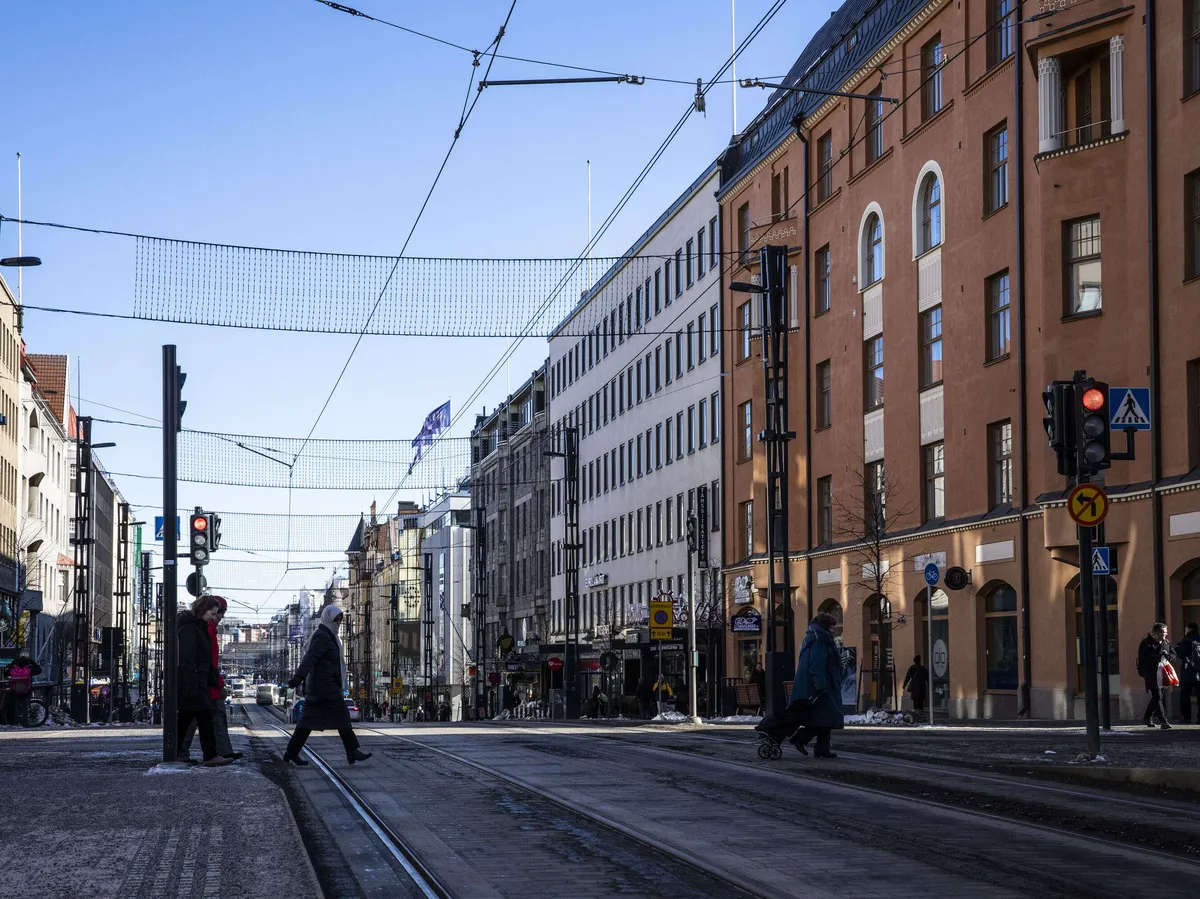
{"points": [[1089, 640], [929, 643], [691, 606], [1102, 593]]}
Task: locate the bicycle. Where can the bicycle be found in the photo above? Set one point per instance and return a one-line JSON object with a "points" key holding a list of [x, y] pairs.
{"points": [[38, 710]]}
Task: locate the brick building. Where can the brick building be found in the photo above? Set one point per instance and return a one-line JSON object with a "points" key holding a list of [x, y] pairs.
{"points": [[1015, 165]]}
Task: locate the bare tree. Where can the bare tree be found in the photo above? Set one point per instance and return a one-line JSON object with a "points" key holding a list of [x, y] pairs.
{"points": [[864, 517]]}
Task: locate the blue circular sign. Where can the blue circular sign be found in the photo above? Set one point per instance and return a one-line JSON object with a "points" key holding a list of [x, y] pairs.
{"points": [[931, 574]]}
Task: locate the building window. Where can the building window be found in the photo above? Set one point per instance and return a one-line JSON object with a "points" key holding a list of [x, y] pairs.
{"points": [[700, 253], [744, 315], [1192, 223], [934, 471], [931, 78], [779, 195], [746, 526], [679, 434], [997, 168], [931, 213], [678, 273], [668, 441], [747, 435], [714, 427], [821, 301], [714, 324], [667, 345], [691, 429], [678, 354], [691, 263], [825, 510], [1000, 637], [658, 445], [873, 373], [875, 498], [1000, 491], [712, 242], [1087, 101], [743, 231], [998, 335], [825, 166], [657, 291], [701, 328], [872, 251], [691, 345], [714, 504], [874, 115], [1193, 413], [702, 422], [931, 347], [824, 394], [1192, 53], [1000, 32], [1083, 266]]}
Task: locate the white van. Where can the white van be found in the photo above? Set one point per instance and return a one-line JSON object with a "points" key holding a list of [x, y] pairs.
{"points": [[268, 694]]}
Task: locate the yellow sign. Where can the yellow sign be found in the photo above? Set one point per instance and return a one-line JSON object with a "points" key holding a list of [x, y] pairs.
{"points": [[662, 619], [1087, 504], [397, 686]]}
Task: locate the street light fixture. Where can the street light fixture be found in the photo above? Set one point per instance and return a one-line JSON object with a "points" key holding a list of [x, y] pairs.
{"points": [[756, 82], [20, 261]]}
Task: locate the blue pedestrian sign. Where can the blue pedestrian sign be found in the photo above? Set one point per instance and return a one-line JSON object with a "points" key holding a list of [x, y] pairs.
{"points": [[158, 527], [931, 574], [1100, 562], [1129, 408]]}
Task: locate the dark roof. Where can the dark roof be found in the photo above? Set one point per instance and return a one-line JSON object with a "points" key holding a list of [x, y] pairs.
{"points": [[356, 542], [851, 36]]}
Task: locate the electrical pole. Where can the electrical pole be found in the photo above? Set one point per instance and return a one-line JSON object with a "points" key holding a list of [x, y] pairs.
{"points": [[693, 542], [173, 407], [82, 649], [571, 548]]}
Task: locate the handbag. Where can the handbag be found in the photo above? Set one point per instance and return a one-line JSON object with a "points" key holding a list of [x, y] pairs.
{"points": [[1166, 674]]}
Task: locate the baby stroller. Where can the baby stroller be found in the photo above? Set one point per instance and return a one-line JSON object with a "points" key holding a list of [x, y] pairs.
{"points": [[774, 729]]}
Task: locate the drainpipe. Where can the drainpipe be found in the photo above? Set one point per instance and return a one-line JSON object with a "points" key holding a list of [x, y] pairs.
{"points": [[1022, 385], [1156, 504], [805, 322]]}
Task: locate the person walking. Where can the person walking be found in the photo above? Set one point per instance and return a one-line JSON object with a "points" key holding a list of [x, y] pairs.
{"points": [[645, 696], [197, 675], [216, 697], [758, 680], [1188, 651], [916, 682], [322, 671], [1153, 650], [819, 680], [20, 673]]}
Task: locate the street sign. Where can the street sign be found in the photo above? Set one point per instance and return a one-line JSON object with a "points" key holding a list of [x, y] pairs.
{"points": [[662, 619], [196, 583], [555, 664], [957, 578], [931, 574], [158, 527], [1100, 561], [1129, 408], [1087, 504]]}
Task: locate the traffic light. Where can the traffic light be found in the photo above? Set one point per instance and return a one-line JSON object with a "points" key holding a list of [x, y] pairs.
{"points": [[180, 377], [1059, 423], [200, 549], [214, 531], [691, 533], [1095, 452]]}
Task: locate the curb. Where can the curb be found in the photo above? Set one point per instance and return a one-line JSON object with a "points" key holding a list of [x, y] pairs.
{"points": [[1173, 778]]}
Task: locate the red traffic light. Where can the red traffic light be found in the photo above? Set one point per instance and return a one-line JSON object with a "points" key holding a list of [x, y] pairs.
{"points": [[200, 523], [1093, 400]]}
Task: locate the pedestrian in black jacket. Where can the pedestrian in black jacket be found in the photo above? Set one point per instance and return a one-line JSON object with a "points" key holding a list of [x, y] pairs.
{"points": [[1153, 649], [196, 675], [323, 673], [1188, 650], [916, 682]]}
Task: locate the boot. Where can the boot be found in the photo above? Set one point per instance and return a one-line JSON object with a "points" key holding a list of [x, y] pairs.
{"points": [[357, 756], [216, 761], [295, 760]]}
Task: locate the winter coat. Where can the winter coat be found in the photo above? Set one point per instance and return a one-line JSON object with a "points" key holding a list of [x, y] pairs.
{"points": [[1150, 653], [1188, 650], [196, 670], [916, 681], [819, 677], [321, 669]]}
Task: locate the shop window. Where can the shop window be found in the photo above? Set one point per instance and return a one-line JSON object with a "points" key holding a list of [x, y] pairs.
{"points": [[1111, 623], [1000, 637], [1191, 598]]}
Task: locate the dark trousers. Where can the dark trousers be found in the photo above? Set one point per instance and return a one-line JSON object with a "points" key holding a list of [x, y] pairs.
{"points": [[1155, 706], [1188, 689], [301, 734], [204, 724], [220, 730], [821, 733]]}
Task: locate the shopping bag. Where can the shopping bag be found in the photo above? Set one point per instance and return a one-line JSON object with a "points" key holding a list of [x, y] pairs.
{"points": [[1166, 674]]}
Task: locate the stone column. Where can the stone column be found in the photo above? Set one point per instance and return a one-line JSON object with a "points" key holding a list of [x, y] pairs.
{"points": [[1050, 106], [1116, 82]]}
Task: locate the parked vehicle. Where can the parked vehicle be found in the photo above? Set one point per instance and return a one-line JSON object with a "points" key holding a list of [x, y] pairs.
{"points": [[268, 694], [296, 710], [353, 707]]}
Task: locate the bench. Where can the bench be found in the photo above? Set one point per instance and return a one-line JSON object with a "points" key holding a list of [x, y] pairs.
{"points": [[747, 697]]}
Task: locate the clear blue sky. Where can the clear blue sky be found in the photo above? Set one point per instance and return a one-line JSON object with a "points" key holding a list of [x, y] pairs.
{"points": [[284, 123]]}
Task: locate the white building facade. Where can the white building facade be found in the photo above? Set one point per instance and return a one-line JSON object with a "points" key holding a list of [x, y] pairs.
{"points": [[447, 538], [635, 370]]}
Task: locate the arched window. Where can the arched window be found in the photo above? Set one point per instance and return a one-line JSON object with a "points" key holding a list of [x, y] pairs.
{"points": [[1000, 637], [872, 251], [1191, 598], [834, 608], [931, 213]]}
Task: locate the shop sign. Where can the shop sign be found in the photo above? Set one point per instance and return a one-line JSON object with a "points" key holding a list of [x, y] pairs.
{"points": [[747, 621], [596, 580], [741, 588]]}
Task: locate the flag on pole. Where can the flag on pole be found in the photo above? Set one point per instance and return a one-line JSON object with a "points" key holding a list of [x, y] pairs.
{"points": [[435, 422]]}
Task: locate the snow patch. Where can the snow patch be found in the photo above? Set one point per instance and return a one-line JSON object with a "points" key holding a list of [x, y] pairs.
{"points": [[1050, 752], [735, 719], [882, 716], [671, 718]]}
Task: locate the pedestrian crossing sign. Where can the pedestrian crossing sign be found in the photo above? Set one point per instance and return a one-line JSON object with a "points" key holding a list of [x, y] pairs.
{"points": [[1100, 560], [1129, 408]]}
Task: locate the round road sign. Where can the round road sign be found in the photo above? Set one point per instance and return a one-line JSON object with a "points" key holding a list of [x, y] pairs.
{"points": [[1087, 504], [931, 574], [555, 664], [661, 617]]}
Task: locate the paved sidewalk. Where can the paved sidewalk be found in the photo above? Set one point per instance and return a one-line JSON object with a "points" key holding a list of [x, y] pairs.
{"points": [[88, 815]]}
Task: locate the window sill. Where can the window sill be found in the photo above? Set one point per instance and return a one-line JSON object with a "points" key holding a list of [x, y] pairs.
{"points": [[867, 287], [929, 122], [930, 386], [870, 409], [821, 312], [996, 211], [887, 154], [829, 199], [1079, 316], [1003, 357], [820, 428]]}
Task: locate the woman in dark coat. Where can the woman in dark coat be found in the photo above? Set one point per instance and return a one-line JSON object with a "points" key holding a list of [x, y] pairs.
{"points": [[916, 682], [323, 673], [819, 679], [196, 675]]}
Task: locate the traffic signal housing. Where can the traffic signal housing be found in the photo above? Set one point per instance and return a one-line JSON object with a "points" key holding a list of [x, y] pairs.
{"points": [[1094, 441], [200, 547], [180, 377], [1059, 398]]}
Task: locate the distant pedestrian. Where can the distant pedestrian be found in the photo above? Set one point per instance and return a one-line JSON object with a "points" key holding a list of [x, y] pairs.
{"points": [[216, 697], [197, 675], [1188, 651], [758, 679], [819, 680], [598, 702], [916, 682], [645, 698], [20, 673], [323, 673], [1153, 650]]}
